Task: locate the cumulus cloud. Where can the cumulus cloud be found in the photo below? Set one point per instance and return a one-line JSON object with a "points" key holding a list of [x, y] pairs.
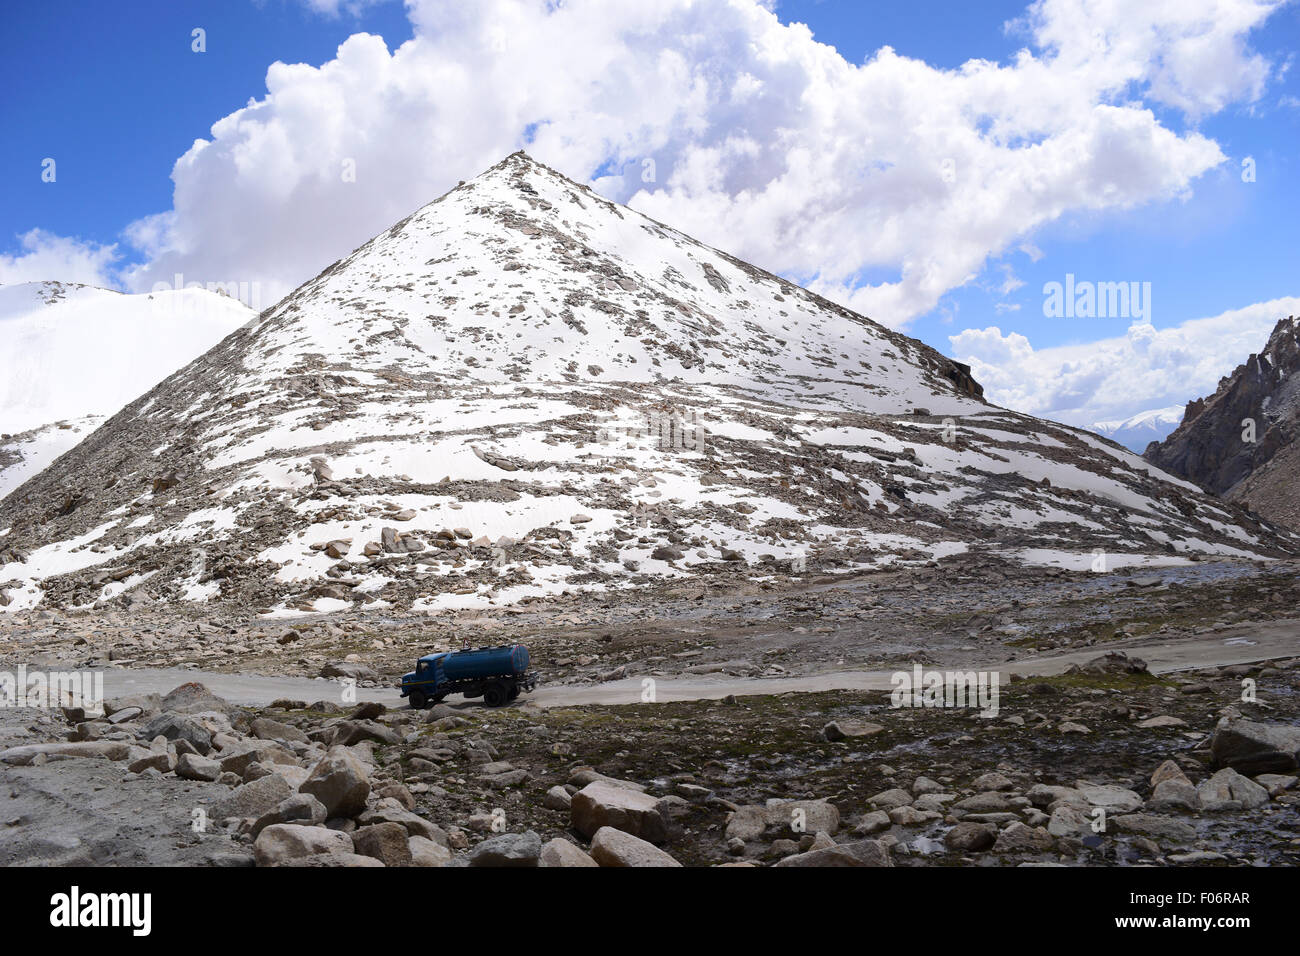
{"points": [[714, 116], [45, 256], [1118, 377]]}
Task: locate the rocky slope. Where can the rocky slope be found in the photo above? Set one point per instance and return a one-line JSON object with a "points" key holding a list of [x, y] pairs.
{"points": [[71, 355], [524, 389], [1179, 776], [1217, 447]]}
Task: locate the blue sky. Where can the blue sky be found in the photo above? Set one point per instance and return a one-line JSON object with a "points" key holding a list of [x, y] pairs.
{"points": [[115, 94]]}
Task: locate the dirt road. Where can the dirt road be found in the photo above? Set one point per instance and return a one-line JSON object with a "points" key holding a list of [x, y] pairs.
{"points": [[1237, 645]]}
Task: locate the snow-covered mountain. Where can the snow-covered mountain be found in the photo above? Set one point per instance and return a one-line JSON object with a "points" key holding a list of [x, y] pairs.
{"points": [[72, 355], [25, 454], [524, 388], [1143, 428]]}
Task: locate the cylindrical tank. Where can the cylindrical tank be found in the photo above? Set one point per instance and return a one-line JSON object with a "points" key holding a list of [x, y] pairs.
{"points": [[506, 660]]}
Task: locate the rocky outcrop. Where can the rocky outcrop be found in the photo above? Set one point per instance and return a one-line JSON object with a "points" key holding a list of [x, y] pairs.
{"points": [[1239, 443]]}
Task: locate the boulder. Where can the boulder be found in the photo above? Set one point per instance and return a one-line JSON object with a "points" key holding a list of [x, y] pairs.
{"points": [[286, 841], [559, 852], [194, 698], [252, 799], [615, 847], [600, 804], [177, 726], [195, 767], [1229, 790], [161, 760], [340, 782], [971, 837], [425, 852], [557, 798], [1154, 826], [267, 729], [101, 749], [1110, 798], [386, 842], [1019, 838], [1251, 747], [889, 799], [300, 808], [1174, 793], [351, 670], [802, 816], [508, 849], [850, 729], [747, 823], [861, 853]]}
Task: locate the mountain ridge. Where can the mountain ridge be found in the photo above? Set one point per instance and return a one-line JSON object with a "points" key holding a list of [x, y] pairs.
{"points": [[1241, 442], [522, 389]]}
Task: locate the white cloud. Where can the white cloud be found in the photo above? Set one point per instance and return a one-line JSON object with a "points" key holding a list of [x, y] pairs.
{"points": [[333, 8], [1115, 378], [47, 256], [764, 142], [1189, 56]]}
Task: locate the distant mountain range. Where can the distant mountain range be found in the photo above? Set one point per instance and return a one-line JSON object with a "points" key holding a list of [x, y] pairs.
{"points": [[1143, 428], [72, 355]]}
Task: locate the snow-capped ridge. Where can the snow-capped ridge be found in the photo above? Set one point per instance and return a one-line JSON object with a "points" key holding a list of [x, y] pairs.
{"points": [[523, 389]]}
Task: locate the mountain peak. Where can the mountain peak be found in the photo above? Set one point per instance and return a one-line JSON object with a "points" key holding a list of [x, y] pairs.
{"points": [[524, 389]]}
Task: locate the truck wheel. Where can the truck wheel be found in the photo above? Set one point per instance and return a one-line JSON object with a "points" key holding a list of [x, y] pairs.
{"points": [[418, 700], [494, 695], [514, 691]]}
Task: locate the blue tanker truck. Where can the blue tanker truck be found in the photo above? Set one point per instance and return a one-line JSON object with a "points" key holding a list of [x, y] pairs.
{"points": [[497, 674]]}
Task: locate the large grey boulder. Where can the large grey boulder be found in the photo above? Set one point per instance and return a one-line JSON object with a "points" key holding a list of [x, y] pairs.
{"points": [[508, 849], [252, 799], [178, 726], [386, 842], [194, 698], [1229, 790], [1110, 798], [195, 767], [1251, 747], [301, 808], [425, 852], [861, 853], [614, 847], [1155, 826], [560, 852], [102, 749], [286, 841], [340, 782], [266, 729], [602, 804]]}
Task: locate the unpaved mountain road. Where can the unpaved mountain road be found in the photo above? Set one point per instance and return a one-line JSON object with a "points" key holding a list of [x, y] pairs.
{"points": [[1244, 644]]}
